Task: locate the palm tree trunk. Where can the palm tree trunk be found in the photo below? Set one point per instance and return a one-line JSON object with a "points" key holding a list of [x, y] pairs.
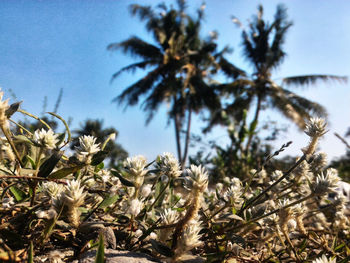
{"points": [[253, 125], [187, 140], [177, 136]]}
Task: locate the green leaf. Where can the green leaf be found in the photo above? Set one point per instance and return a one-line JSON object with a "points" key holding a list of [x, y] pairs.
{"points": [[100, 166], [30, 253], [122, 179], [162, 249], [22, 138], [100, 255], [252, 127], [99, 157], [108, 201], [64, 123], [50, 226], [47, 167], [18, 193], [12, 109], [339, 247], [64, 172]]}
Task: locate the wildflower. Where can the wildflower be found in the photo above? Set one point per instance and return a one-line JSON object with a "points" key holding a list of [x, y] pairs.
{"points": [[198, 176], [71, 198], [169, 216], [319, 162], [233, 196], [325, 182], [105, 175], [291, 224], [46, 214], [138, 233], [136, 166], [146, 190], [316, 127], [73, 194], [7, 202], [45, 138], [324, 259], [3, 107], [189, 239], [169, 165], [135, 207], [6, 148], [52, 189], [88, 145]]}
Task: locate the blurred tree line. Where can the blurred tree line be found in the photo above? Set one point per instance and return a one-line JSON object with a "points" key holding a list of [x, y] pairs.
{"points": [[92, 127], [182, 68]]}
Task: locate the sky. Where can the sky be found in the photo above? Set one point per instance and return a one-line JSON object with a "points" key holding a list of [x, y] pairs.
{"points": [[46, 46]]}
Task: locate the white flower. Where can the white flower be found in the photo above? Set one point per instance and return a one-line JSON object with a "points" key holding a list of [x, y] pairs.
{"points": [[3, 107], [7, 202], [46, 214], [88, 145], [105, 175], [292, 224], [325, 182], [136, 165], [189, 239], [146, 190], [6, 148], [324, 259], [73, 195], [199, 177], [135, 207], [52, 189], [233, 196], [169, 216], [169, 165], [316, 127], [138, 233], [45, 138]]}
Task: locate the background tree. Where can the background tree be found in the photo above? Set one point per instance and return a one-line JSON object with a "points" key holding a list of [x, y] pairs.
{"points": [[180, 63], [263, 49]]}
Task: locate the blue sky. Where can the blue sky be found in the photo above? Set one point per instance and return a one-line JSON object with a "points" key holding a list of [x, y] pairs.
{"points": [[49, 45]]}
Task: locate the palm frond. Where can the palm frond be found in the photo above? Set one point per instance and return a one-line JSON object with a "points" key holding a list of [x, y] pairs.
{"points": [[236, 87], [229, 69], [202, 95], [296, 108], [133, 67], [137, 47], [313, 79], [146, 13], [132, 94]]}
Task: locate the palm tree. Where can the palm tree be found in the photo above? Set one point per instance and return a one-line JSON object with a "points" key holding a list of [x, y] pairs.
{"points": [[263, 49], [180, 64]]}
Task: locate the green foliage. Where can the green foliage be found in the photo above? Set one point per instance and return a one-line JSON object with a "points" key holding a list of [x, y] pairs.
{"points": [[100, 255]]}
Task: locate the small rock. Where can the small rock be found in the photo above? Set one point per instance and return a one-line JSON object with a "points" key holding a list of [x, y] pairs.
{"points": [[118, 256]]}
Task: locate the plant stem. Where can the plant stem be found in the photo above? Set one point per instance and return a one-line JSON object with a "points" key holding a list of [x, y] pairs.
{"points": [[9, 139], [252, 201], [160, 194], [187, 140], [274, 211]]}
